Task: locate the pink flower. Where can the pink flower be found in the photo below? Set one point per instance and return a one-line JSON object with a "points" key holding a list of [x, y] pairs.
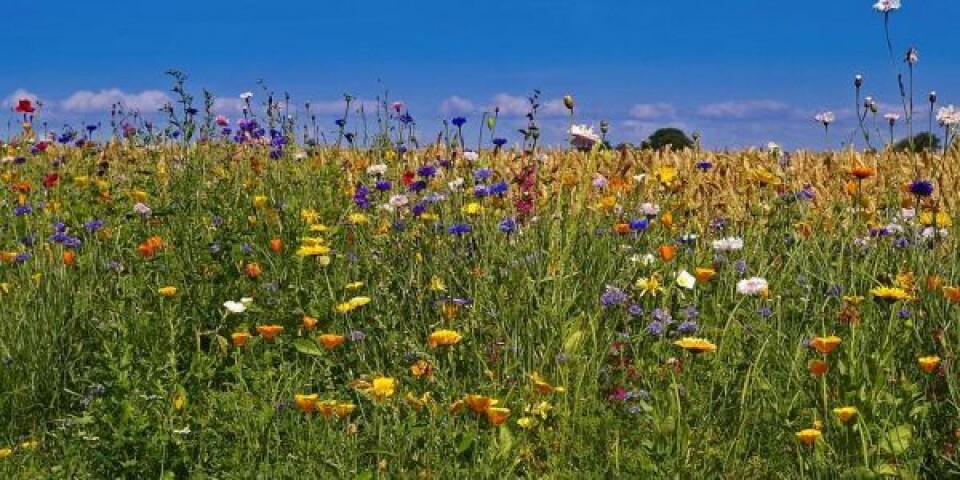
{"points": [[222, 121]]}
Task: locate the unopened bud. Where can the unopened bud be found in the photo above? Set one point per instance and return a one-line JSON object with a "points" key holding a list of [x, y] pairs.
{"points": [[933, 97], [568, 102], [858, 81]]}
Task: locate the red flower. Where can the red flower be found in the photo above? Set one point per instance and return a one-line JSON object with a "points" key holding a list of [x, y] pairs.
{"points": [[408, 177], [25, 106], [50, 180]]}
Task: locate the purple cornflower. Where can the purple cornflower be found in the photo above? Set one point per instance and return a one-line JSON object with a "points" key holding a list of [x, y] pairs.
{"points": [[655, 328], [688, 327], [612, 296], [921, 188], [93, 225], [459, 229]]}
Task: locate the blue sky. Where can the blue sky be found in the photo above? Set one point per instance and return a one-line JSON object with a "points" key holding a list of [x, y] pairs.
{"points": [[742, 72]]}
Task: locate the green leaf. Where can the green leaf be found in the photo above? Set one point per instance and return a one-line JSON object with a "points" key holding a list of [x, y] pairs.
{"points": [[898, 440], [506, 441], [466, 442], [307, 347]]}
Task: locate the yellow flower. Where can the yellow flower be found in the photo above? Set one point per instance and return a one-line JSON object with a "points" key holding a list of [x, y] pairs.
{"points": [[479, 403], [309, 216], [608, 202], [354, 285], [891, 293], [29, 445], [357, 302], [809, 435], [929, 364], [472, 208], [306, 403], [429, 217], [418, 402], [6, 452], [139, 195], [845, 414], [260, 201], [942, 219], [358, 219], [695, 345], [383, 387], [437, 285], [667, 175], [344, 409], [167, 291], [313, 251], [649, 285], [542, 386], [443, 338], [527, 422]]}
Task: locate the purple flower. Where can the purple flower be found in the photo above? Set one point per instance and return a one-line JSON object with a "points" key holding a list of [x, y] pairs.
{"points": [[655, 328], [93, 225], [704, 165], [688, 327], [634, 310], [662, 315], [508, 225], [499, 188], [481, 174], [383, 185], [612, 296], [458, 121], [427, 171], [24, 209], [639, 224], [740, 266], [356, 336]]}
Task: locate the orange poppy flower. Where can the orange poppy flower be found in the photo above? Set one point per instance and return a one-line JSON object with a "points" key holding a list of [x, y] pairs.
{"points": [[621, 228], [704, 274], [309, 322], [240, 339], [276, 245], [252, 270], [825, 345], [929, 364], [952, 294], [306, 403], [479, 403], [667, 252], [69, 258], [269, 332], [861, 172], [331, 340], [818, 368], [497, 415]]}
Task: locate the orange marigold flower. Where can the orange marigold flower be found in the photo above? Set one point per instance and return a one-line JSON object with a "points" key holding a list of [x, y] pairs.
{"points": [[497, 415], [252, 270], [929, 364], [818, 368], [306, 403], [240, 339], [704, 275], [269, 332], [861, 172], [479, 403], [276, 245], [69, 258], [667, 252]]}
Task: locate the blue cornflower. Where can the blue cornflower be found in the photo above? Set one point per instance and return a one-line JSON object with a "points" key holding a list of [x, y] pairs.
{"points": [[904, 313], [418, 208], [740, 266], [22, 257], [383, 185], [247, 249], [639, 224], [28, 240], [921, 188], [508, 225], [93, 225], [427, 171], [459, 229], [481, 174], [481, 191], [690, 313], [499, 141], [704, 165], [418, 186], [458, 121], [834, 291], [341, 122], [634, 310], [499, 188], [24, 209], [765, 311]]}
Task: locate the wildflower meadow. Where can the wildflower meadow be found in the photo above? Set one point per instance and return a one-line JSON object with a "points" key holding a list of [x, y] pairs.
{"points": [[199, 295]]}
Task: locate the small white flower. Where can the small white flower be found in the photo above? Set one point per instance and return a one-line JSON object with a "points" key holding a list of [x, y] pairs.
{"points": [[685, 280], [471, 156], [642, 178], [183, 431], [455, 184], [300, 156], [728, 244], [825, 118], [378, 169], [885, 6], [399, 200], [891, 117], [583, 134], [386, 207], [142, 209], [246, 95], [648, 259], [752, 286], [650, 209], [948, 116], [908, 213], [234, 307]]}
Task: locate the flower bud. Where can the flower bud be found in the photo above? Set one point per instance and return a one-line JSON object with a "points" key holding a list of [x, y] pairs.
{"points": [[604, 127], [858, 81], [568, 102], [933, 97]]}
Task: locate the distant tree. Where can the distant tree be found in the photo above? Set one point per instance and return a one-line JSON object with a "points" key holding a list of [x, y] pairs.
{"points": [[668, 136], [921, 142]]}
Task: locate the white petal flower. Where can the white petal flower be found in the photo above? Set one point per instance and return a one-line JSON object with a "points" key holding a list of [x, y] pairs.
{"points": [[886, 5], [471, 156], [246, 95], [752, 286], [378, 169], [234, 307], [685, 280], [728, 244], [583, 134]]}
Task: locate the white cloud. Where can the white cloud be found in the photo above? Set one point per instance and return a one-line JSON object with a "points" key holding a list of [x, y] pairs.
{"points": [[516, 106], [86, 101], [17, 95], [227, 105], [337, 107], [653, 111], [740, 110], [456, 105]]}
